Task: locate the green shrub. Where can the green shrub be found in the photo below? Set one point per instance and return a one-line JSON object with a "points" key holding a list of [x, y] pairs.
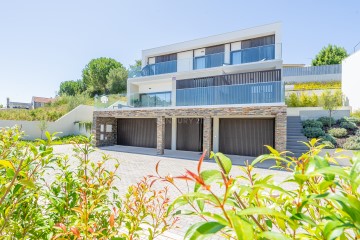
{"points": [[326, 120], [313, 132], [79, 201], [292, 100], [355, 120], [328, 144], [328, 138], [348, 125], [304, 100], [357, 133], [356, 114], [312, 123], [255, 206], [352, 143], [338, 132]]}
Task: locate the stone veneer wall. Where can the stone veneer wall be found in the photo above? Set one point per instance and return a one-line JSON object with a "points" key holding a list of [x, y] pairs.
{"points": [[109, 117]]}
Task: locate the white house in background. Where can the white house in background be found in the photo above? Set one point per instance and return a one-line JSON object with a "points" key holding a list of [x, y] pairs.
{"points": [[351, 79], [223, 93]]}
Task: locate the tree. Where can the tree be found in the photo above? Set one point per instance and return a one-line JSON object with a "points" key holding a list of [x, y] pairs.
{"points": [[96, 71], [331, 54], [117, 80], [72, 88], [135, 69], [331, 101]]}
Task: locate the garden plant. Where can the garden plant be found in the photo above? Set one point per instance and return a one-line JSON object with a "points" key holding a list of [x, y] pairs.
{"points": [[324, 202]]}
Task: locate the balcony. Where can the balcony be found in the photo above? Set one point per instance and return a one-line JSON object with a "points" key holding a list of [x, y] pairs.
{"points": [[256, 93], [248, 55], [313, 74], [160, 99]]}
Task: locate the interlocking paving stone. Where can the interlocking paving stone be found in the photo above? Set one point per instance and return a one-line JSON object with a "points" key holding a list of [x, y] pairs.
{"points": [[134, 166]]}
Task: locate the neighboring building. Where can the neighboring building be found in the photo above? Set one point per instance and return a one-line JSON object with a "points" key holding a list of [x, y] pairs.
{"points": [[17, 105], [37, 102], [222, 93], [351, 80]]}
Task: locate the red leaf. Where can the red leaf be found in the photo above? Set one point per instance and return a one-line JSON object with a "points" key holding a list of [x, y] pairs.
{"points": [[62, 226], [201, 161], [75, 231], [112, 220], [157, 167]]}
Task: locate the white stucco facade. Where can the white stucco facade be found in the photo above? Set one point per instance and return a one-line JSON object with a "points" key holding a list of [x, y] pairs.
{"points": [[351, 80], [186, 53]]}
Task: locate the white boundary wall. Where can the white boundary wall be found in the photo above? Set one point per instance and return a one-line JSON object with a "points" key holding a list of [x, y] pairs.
{"points": [[351, 79], [316, 112], [65, 124]]}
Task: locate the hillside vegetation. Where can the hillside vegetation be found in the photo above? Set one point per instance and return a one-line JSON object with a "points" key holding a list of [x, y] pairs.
{"points": [[53, 111]]}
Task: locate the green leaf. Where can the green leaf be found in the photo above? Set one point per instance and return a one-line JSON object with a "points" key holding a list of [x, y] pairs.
{"points": [[6, 164], [223, 162], [210, 175], [27, 183], [273, 236], [203, 230], [263, 211], [333, 230], [242, 228]]}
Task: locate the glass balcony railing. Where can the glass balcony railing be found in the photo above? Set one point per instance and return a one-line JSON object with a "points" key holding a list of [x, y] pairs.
{"points": [[268, 92], [160, 99], [248, 55]]}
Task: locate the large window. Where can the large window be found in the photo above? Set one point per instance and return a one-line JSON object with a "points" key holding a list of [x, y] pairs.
{"points": [[160, 99]]}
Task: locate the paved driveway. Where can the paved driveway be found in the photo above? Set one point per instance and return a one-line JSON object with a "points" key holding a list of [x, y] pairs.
{"points": [[134, 166]]}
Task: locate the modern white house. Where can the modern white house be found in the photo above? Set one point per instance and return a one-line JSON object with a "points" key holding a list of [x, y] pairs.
{"points": [[223, 93]]}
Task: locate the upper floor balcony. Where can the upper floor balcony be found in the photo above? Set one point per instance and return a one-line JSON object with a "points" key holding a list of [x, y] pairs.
{"points": [[312, 73], [247, 55]]}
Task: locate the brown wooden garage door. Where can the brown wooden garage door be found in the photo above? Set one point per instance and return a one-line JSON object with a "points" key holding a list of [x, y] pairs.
{"points": [[246, 137], [189, 135], [139, 132]]}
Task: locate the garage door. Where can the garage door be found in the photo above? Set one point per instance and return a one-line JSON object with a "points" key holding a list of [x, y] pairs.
{"points": [[139, 132], [246, 137], [189, 135]]}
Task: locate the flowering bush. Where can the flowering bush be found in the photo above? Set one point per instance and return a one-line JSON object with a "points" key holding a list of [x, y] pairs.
{"points": [[82, 201], [323, 203]]}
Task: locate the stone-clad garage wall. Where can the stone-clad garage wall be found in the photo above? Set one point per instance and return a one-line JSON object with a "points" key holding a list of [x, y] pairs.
{"points": [[108, 118]]}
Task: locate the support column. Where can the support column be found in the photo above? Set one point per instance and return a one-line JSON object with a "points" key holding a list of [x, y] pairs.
{"points": [[207, 136], [280, 131], [160, 140], [105, 131], [173, 133], [216, 134]]}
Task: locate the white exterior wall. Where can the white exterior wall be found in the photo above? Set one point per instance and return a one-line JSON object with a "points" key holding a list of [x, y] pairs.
{"points": [[316, 112], [227, 54], [235, 46], [163, 86], [351, 79], [65, 124], [184, 61]]}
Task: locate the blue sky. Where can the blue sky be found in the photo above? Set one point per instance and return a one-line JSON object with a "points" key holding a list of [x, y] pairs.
{"points": [[43, 43]]}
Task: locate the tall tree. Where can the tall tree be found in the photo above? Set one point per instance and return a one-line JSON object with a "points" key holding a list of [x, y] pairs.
{"points": [[72, 88], [117, 79], [95, 74], [331, 54]]}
